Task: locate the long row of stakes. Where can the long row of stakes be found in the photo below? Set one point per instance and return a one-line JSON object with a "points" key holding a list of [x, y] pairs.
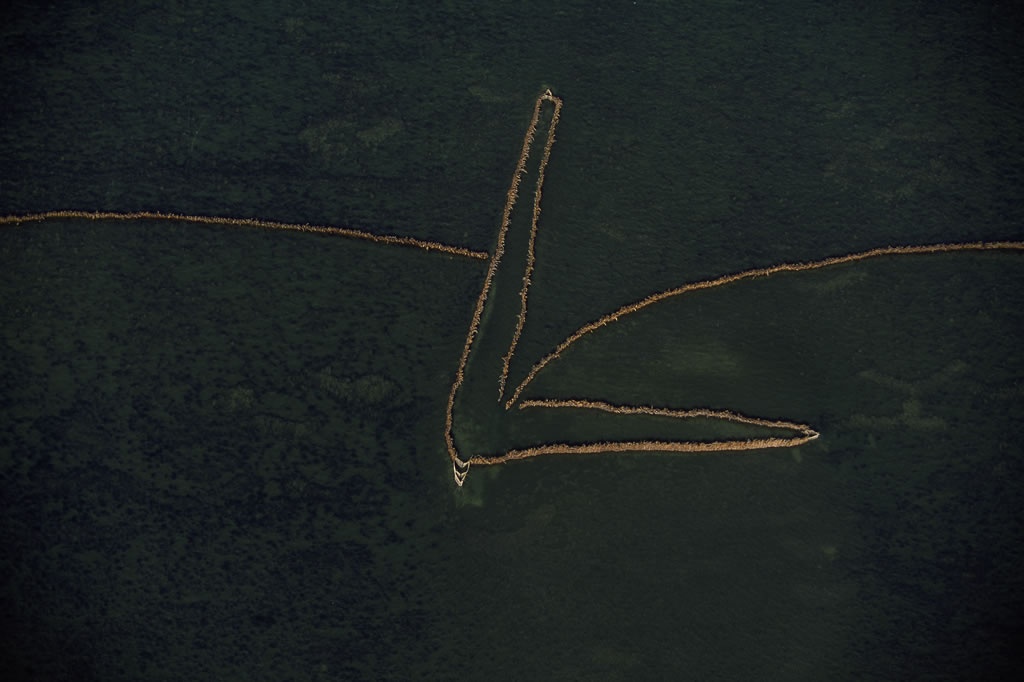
{"points": [[245, 222], [460, 465]]}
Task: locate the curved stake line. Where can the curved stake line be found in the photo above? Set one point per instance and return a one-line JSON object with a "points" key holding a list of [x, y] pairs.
{"points": [[749, 274]]}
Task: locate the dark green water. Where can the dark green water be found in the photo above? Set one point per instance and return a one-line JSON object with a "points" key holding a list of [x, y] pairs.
{"points": [[221, 450]]}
